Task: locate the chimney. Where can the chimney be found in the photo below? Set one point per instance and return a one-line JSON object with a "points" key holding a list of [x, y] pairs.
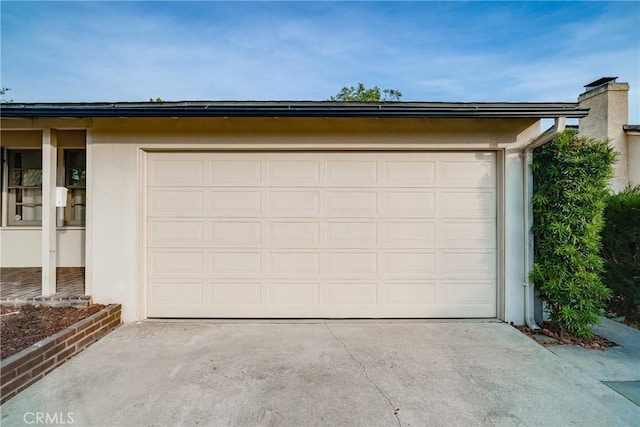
{"points": [[608, 103]]}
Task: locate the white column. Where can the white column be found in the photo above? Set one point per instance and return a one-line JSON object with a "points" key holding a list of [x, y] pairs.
{"points": [[88, 230], [49, 164]]}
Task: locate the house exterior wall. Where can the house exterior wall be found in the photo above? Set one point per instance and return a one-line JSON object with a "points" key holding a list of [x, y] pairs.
{"points": [[633, 151], [608, 112], [21, 246], [116, 262]]}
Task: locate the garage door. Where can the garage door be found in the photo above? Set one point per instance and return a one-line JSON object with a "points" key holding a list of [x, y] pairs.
{"points": [[321, 234]]}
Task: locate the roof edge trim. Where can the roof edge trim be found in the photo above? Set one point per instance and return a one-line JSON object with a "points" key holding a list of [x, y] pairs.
{"points": [[296, 109]]}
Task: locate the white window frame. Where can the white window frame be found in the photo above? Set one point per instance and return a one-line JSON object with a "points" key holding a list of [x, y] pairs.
{"points": [[11, 195], [62, 181]]}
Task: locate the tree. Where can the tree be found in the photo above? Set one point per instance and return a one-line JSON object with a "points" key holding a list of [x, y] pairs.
{"points": [[3, 92], [571, 176], [363, 94]]}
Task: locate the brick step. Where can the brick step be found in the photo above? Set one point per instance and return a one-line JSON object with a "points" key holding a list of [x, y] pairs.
{"points": [[51, 301]]}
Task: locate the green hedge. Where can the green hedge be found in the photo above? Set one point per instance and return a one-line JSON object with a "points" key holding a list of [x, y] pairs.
{"points": [[621, 251], [571, 175]]}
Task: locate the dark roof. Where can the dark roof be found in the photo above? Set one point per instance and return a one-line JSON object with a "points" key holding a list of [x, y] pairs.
{"points": [[296, 109], [602, 80]]}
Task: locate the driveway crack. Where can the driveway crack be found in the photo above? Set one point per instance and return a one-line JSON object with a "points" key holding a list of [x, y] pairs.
{"points": [[366, 374]]}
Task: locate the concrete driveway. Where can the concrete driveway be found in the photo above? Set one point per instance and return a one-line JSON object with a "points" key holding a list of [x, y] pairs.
{"points": [[347, 373]]}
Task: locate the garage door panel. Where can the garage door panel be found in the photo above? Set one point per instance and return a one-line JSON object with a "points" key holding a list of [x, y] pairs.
{"points": [[469, 174], [294, 263], [410, 263], [233, 263], [465, 263], [352, 293], [352, 263], [182, 203], [352, 173], [404, 293], [295, 234], [470, 293], [236, 293], [409, 204], [236, 172], [321, 235], [235, 203], [294, 173], [346, 204], [299, 293], [179, 292], [236, 234], [178, 263], [409, 173], [468, 204], [294, 203], [469, 234], [406, 234], [178, 233], [177, 172], [351, 234]]}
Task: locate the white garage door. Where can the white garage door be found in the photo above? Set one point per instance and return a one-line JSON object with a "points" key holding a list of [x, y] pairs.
{"points": [[321, 234]]}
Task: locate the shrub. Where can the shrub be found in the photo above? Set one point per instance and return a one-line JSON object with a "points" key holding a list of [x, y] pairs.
{"points": [[621, 251], [571, 176]]}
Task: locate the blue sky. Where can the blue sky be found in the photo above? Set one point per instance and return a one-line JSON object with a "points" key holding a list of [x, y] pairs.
{"points": [[432, 51]]}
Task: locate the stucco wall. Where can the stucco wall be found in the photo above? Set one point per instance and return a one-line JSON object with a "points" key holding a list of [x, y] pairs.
{"points": [[116, 263], [114, 213], [633, 151], [608, 112], [20, 247]]}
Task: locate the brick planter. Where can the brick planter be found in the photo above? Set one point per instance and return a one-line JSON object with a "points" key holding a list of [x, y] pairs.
{"points": [[29, 365]]}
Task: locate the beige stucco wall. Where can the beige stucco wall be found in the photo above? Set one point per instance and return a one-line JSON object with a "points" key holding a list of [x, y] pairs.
{"points": [[33, 138], [633, 151], [21, 139], [325, 133], [608, 112], [20, 247], [116, 264]]}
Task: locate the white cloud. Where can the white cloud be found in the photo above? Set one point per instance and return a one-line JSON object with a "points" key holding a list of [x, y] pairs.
{"points": [[133, 51]]}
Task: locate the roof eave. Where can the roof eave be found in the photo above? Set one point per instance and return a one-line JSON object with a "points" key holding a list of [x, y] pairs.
{"points": [[303, 109]]}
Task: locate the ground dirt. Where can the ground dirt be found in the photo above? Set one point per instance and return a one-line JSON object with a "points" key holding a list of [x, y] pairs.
{"points": [[557, 336], [625, 313], [23, 326], [632, 323]]}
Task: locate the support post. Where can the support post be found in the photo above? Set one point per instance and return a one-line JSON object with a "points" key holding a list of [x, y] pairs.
{"points": [[49, 166], [88, 232]]}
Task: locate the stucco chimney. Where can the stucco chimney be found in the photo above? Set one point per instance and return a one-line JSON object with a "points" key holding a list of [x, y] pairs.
{"points": [[608, 103]]}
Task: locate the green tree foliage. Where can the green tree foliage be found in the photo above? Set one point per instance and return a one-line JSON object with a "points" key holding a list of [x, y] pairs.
{"points": [[621, 251], [571, 176], [158, 99], [362, 94], [3, 92]]}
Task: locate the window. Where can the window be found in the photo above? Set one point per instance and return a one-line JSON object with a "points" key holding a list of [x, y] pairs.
{"points": [[25, 187], [75, 178]]}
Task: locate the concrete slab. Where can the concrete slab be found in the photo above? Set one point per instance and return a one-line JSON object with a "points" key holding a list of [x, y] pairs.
{"points": [[629, 389], [620, 363], [328, 373]]}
